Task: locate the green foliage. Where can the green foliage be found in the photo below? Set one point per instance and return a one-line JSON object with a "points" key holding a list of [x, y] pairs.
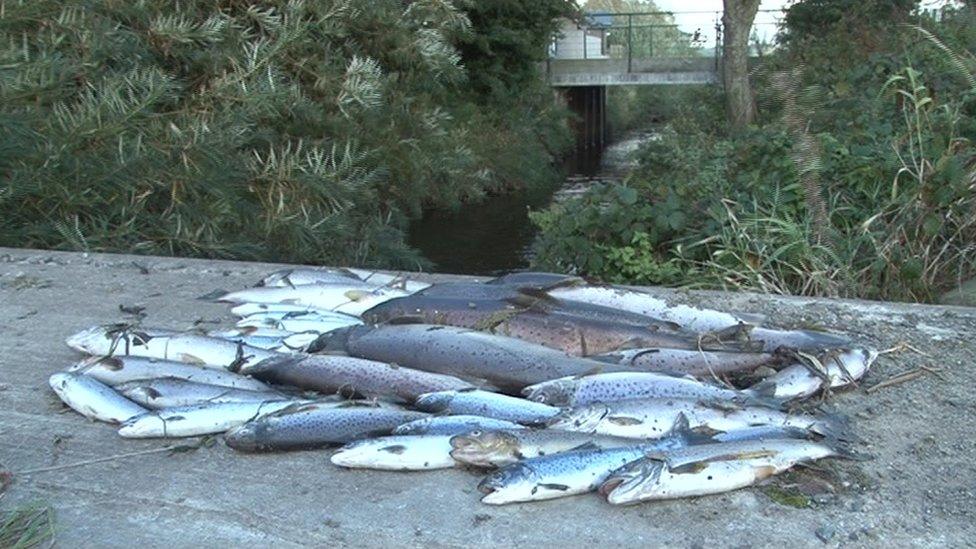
{"points": [[894, 153], [277, 130]]}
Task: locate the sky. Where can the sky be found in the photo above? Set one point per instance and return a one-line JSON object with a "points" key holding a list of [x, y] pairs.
{"points": [[764, 26]]}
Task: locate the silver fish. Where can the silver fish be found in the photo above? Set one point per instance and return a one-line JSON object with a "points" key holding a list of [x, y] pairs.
{"points": [[487, 404], [120, 369], [190, 348], [315, 425], [654, 418], [397, 453], [453, 425], [93, 399], [583, 390], [504, 447], [300, 276], [696, 363], [175, 393], [555, 476], [201, 419], [709, 468], [276, 310], [842, 368], [349, 375], [350, 298]]}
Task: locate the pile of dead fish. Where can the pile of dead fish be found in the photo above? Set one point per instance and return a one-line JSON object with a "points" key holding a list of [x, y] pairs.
{"points": [[558, 385]]}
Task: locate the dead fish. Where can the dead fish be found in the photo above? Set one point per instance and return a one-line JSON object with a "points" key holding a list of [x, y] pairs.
{"points": [[506, 363], [710, 468], [697, 319], [840, 368], [174, 393], [698, 363], [496, 448], [555, 476], [650, 418], [614, 386], [190, 348], [197, 420], [93, 399], [352, 376], [487, 404], [115, 370], [308, 426], [397, 453], [351, 298]]}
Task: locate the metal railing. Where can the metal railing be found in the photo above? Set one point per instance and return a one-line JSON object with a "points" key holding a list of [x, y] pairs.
{"points": [[655, 35]]}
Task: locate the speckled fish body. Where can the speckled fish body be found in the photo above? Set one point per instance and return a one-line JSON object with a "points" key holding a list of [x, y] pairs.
{"points": [[506, 363], [180, 347], [93, 399], [120, 369], [558, 475], [486, 404], [197, 420], [697, 363], [613, 386], [496, 448], [353, 376], [655, 418], [315, 425], [709, 468], [445, 311], [397, 453], [453, 425], [175, 393]]}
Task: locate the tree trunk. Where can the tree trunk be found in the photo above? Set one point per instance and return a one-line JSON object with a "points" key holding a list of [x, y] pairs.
{"points": [[737, 20]]}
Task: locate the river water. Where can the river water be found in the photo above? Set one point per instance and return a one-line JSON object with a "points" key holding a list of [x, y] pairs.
{"points": [[496, 235]]}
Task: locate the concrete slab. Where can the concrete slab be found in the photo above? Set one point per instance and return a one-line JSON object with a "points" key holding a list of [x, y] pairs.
{"points": [[917, 491]]}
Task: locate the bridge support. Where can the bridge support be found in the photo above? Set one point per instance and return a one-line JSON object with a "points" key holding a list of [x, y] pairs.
{"points": [[589, 104]]}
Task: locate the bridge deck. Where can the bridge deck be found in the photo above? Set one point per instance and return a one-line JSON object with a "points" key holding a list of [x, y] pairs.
{"points": [[623, 72]]}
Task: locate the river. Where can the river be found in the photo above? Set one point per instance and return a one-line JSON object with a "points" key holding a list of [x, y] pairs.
{"points": [[496, 235]]}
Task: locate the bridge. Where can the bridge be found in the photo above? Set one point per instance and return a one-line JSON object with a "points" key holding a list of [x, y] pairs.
{"points": [[601, 49]]}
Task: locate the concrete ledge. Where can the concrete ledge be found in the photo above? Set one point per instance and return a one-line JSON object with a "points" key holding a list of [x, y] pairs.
{"points": [[918, 491]]}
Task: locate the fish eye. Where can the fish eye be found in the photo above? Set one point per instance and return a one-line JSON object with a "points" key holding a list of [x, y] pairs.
{"points": [[475, 433]]}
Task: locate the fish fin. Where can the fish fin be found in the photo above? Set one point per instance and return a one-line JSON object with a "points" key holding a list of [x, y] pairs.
{"points": [[396, 449], [191, 359], [588, 445], [216, 295], [689, 468], [111, 362], [623, 420], [152, 393], [842, 449], [764, 471], [834, 427]]}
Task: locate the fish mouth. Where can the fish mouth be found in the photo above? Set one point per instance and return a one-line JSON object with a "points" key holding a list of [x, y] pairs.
{"points": [[486, 487]]}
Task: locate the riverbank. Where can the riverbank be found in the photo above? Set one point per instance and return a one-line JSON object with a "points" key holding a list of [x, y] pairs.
{"points": [[913, 492], [496, 234]]}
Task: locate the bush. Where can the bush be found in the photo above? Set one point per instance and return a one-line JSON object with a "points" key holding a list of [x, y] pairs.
{"points": [[277, 130], [889, 150]]}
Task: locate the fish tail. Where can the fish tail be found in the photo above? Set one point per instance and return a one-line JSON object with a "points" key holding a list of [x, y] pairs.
{"points": [[834, 427], [844, 449]]}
